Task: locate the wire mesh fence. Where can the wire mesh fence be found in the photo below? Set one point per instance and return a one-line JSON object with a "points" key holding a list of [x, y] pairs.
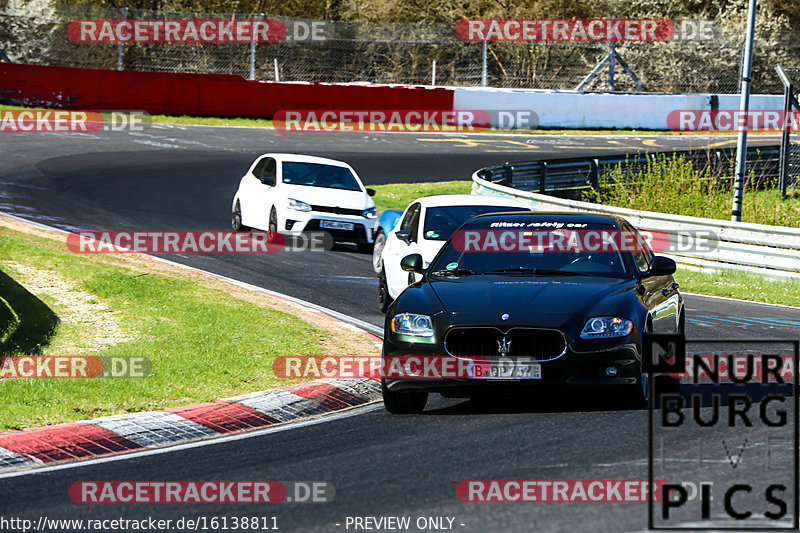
{"points": [[394, 53]]}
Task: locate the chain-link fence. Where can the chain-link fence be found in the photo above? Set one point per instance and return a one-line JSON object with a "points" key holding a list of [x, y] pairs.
{"points": [[396, 53]]}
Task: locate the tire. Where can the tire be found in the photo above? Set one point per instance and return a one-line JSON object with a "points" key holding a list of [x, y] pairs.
{"points": [[403, 403], [669, 384], [273, 221], [377, 252], [638, 395], [384, 300], [236, 219]]}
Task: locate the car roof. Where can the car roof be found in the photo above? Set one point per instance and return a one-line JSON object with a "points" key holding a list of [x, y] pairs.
{"points": [[442, 200], [555, 216], [300, 158]]}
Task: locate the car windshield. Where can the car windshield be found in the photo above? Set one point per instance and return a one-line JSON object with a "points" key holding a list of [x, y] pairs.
{"points": [[528, 247], [319, 175], [441, 222]]}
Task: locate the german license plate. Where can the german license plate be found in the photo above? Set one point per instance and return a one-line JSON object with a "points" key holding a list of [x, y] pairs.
{"points": [[499, 370], [332, 224]]}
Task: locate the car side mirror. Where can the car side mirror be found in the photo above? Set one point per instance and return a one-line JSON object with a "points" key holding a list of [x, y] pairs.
{"points": [[370, 191], [412, 263], [404, 235], [661, 266]]}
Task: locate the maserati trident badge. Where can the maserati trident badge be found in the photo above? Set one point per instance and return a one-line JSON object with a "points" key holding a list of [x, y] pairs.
{"points": [[504, 347]]}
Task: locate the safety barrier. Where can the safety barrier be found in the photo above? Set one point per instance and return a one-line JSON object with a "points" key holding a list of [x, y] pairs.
{"points": [[581, 172], [773, 251], [215, 95]]}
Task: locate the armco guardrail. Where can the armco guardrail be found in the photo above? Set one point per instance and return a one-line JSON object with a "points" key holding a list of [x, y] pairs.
{"points": [[769, 250], [577, 173]]}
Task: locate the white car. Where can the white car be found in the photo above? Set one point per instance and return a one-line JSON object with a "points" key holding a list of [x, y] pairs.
{"points": [[423, 228], [292, 193]]}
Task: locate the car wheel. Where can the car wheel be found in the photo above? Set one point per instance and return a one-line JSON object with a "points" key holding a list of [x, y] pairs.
{"points": [[273, 221], [405, 402], [638, 394], [384, 300], [236, 219], [377, 252], [670, 384]]}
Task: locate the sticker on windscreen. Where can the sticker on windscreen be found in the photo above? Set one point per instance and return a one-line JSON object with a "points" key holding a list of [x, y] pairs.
{"points": [[452, 266], [430, 234]]}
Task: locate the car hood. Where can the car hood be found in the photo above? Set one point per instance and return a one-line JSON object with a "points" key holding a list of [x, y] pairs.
{"points": [[524, 296], [329, 197]]}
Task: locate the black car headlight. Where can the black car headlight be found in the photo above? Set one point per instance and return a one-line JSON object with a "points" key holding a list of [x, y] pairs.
{"points": [[414, 325], [603, 327]]}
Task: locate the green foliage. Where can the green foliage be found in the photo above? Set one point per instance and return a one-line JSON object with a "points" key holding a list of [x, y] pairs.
{"points": [[670, 184]]}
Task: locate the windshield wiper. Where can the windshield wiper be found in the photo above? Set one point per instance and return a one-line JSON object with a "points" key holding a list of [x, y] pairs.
{"points": [[455, 272], [537, 272]]}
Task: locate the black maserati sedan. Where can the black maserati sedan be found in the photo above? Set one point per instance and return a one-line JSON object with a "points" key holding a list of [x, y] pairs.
{"points": [[521, 301]]}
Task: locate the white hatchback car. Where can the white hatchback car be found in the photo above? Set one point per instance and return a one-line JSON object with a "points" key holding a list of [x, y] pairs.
{"points": [[292, 193], [424, 227]]}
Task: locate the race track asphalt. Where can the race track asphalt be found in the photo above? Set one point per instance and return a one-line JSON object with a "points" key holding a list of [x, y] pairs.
{"points": [[182, 178]]}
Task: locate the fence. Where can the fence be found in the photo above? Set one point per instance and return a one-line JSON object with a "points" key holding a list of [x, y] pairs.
{"points": [[397, 53]]}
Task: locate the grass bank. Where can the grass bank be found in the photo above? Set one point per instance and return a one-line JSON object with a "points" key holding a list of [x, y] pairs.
{"points": [[203, 341]]}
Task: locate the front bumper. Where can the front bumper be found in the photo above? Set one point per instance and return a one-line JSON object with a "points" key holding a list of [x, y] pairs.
{"points": [[573, 369], [306, 221]]}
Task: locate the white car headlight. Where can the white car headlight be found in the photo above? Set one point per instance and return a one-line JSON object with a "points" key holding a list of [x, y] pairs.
{"points": [[605, 327], [298, 205], [411, 324], [370, 213]]}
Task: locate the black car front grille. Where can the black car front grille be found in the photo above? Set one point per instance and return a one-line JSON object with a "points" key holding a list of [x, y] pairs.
{"points": [[533, 344], [336, 210]]}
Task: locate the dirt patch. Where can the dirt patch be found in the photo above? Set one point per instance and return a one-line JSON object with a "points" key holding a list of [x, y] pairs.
{"points": [[94, 325]]}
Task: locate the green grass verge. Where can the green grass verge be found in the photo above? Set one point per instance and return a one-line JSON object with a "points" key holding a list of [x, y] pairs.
{"points": [[9, 321], [399, 195], [203, 344], [740, 285]]}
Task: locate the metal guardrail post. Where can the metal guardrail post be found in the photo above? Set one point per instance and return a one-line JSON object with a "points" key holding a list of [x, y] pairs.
{"points": [[543, 178], [253, 51], [508, 172], [484, 70], [121, 50], [594, 175], [788, 96]]}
